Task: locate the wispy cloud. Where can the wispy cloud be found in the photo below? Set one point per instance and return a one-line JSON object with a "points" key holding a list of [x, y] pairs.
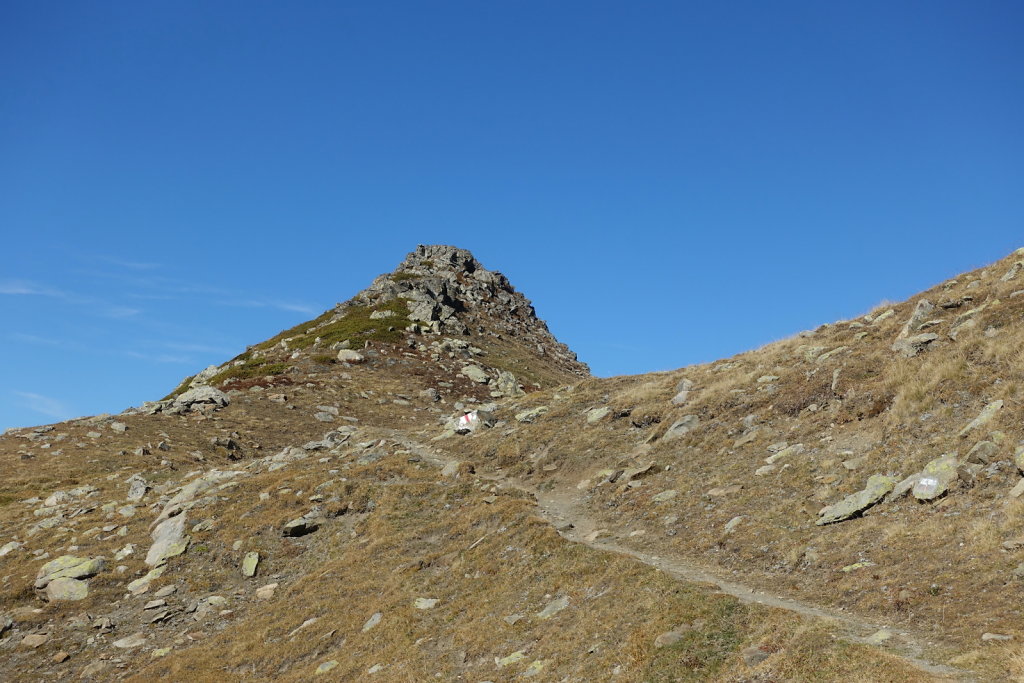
{"points": [[131, 265], [27, 288], [159, 357], [44, 405], [269, 303]]}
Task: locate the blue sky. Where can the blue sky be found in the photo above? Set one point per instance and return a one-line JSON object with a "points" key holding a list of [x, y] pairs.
{"points": [[669, 182]]}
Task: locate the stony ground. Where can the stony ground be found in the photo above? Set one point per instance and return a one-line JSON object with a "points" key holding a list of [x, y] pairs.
{"points": [[840, 505]]}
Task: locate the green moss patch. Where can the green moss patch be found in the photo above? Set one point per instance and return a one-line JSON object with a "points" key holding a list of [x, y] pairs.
{"points": [[357, 327], [249, 369]]}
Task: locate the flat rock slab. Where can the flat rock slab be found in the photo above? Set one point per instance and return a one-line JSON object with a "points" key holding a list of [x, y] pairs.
{"points": [[877, 487]]}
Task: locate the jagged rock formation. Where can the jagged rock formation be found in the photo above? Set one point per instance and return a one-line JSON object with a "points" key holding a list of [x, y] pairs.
{"points": [[448, 292]]}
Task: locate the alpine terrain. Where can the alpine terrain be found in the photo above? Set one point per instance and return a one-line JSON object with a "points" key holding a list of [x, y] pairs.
{"points": [[424, 484]]}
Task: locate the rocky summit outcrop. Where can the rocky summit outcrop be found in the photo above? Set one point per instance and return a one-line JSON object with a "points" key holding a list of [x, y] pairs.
{"points": [[447, 291]]}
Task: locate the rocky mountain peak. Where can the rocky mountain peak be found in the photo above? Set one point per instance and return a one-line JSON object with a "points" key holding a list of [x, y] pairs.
{"points": [[447, 291]]}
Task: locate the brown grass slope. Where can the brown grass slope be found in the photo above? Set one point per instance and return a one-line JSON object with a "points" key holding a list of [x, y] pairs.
{"points": [[396, 529]]}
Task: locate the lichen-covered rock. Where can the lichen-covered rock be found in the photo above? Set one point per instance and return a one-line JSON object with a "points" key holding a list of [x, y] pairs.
{"points": [[936, 477], [69, 567], [201, 395], [877, 487], [67, 589]]}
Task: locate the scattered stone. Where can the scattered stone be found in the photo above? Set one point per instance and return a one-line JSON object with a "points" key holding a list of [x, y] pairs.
{"points": [[67, 589], [266, 592], [516, 656], [785, 452], [720, 491], [877, 487], [200, 396], [475, 373], [595, 415], [169, 540], [141, 585], [982, 453], [664, 496], [69, 567], [9, 548], [119, 427], [668, 638], [372, 621], [911, 346], [326, 666], [154, 604], [1018, 490], [132, 641], [733, 523], [995, 637], [61, 657], [681, 426], [249, 564], [683, 390], [528, 416], [554, 607], [300, 527], [513, 619], [425, 603], [350, 356], [936, 477], [879, 637], [508, 385], [34, 640], [986, 415]]}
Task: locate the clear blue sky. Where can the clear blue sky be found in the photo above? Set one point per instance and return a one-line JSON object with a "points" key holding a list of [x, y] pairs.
{"points": [[669, 182]]}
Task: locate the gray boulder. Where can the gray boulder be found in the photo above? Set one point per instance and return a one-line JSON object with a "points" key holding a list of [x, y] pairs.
{"points": [[681, 426], [877, 487], [936, 477], [202, 395], [911, 346], [69, 567]]}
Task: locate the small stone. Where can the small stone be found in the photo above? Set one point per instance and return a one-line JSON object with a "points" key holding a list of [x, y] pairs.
{"points": [[300, 527], [249, 564], [668, 638], [153, 604], [528, 416], [161, 652], [372, 621], [475, 373], [877, 487], [326, 666], [595, 415], [266, 592], [119, 427], [61, 657], [879, 637], [34, 640], [132, 641], [553, 607], [996, 637], [425, 603], [664, 496]]}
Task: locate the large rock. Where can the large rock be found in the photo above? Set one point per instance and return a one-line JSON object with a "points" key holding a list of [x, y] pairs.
{"points": [[595, 415], [67, 589], [683, 390], [508, 385], [476, 374], [681, 426], [921, 314], [202, 395], [936, 477], [350, 356], [911, 346], [877, 487], [69, 567], [169, 540]]}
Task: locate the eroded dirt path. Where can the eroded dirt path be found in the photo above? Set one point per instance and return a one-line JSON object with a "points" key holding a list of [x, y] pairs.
{"points": [[561, 507]]}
